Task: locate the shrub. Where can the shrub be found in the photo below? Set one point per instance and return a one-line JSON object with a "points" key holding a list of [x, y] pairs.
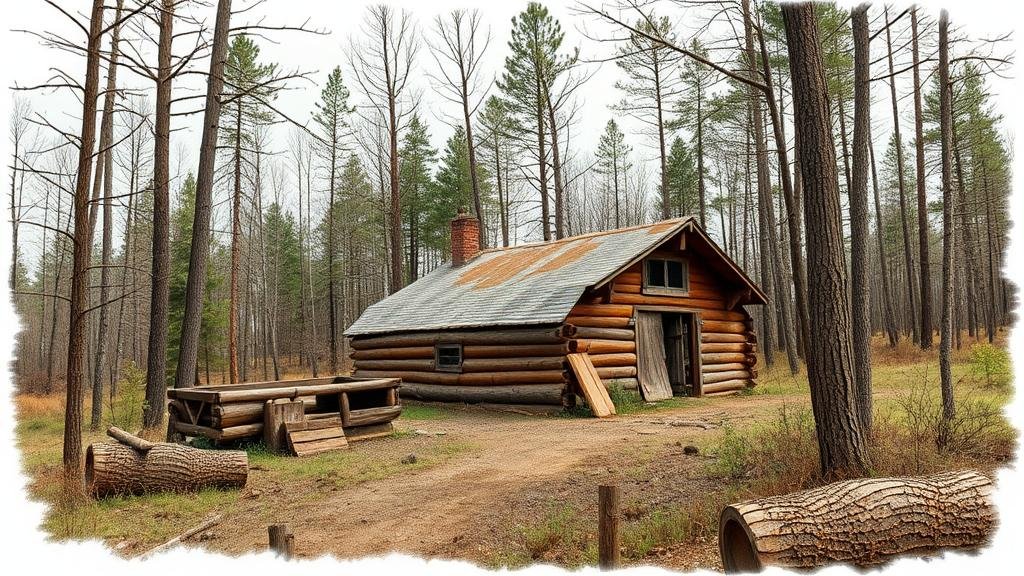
{"points": [[991, 363], [127, 405]]}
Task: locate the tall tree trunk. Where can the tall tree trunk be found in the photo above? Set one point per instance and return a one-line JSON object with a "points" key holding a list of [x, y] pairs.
{"points": [[556, 167], [396, 198], [769, 234], [908, 258], [72, 454], [889, 316], [922, 199], [105, 161], [478, 205], [860, 303], [195, 285], [542, 167], [156, 363], [701, 191], [842, 444], [945, 328], [502, 201], [662, 155]]}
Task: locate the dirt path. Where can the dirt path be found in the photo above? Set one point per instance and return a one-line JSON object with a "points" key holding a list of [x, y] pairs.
{"points": [[428, 511]]}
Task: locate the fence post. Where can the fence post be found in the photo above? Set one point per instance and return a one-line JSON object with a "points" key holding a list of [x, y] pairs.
{"points": [[608, 527], [282, 541]]}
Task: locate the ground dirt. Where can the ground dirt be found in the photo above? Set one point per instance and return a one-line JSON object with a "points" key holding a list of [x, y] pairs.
{"points": [[516, 468]]}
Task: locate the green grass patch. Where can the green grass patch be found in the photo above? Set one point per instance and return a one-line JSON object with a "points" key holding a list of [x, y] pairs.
{"points": [[423, 412]]}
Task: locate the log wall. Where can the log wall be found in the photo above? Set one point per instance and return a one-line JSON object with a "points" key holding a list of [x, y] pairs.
{"points": [[727, 347]]}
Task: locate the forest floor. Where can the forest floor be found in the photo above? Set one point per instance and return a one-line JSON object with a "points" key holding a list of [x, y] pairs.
{"points": [[503, 489]]}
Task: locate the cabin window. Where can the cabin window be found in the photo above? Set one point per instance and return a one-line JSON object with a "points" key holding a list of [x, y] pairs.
{"points": [[666, 274], [448, 357]]}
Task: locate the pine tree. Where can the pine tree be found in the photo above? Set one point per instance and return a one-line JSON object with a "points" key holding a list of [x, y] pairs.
{"points": [[613, 162], [683, 183], [414, 175]]}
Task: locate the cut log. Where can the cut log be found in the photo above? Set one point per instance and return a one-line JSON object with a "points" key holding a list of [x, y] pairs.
{"points": [[712, 347], [726, 386], [368, 416], [489, 337], [713, 368], [605, 346], [727, 357], [717, 337], [599, 321], [728, 375], [474, 378], [604, 333], [607, 360], [616, 310], [531, 394], [121, 469], [220, 435], [394, 353], [617, 372], [624, 383], [863, 522], [468, 365], [720, 326]]}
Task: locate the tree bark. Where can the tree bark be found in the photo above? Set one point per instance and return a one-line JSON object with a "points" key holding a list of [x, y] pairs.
{"points": [[922, 199], [156, 364], [859, 301], [889, 319], [123, 468], [842, 443], [72, 454], [945, 328], [865, 522], [195, 285]]}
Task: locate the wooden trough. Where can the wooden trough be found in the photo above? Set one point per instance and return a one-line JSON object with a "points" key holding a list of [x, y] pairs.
{"points": [[361, 408]]}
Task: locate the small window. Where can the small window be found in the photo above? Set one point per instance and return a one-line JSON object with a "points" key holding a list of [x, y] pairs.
{"points": [[448, 357], [663, 274]]}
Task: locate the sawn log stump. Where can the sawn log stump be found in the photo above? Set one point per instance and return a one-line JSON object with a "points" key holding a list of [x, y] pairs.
{"points": [[863, 522], [136, 466]]}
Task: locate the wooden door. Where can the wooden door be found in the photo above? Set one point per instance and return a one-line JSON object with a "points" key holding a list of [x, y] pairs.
{"points": [[675, 355], [652, 372]]}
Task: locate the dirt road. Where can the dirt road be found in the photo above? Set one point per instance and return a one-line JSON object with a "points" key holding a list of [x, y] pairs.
{"points": [[451, 509]]}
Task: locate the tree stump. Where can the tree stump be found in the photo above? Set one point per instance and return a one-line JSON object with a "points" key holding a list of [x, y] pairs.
{"points": [[282, 540], [137, 466], [609, 551], [863, 522]]}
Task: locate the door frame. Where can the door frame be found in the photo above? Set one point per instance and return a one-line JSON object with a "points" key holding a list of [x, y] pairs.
{"points": [[698, 367]]}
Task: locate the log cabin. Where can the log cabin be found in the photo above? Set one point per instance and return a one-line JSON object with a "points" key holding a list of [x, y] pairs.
{"points": [[657, 308]]}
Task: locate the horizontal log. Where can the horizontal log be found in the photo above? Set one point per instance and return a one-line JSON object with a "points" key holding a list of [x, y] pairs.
{"points": [[549, 394], [695, 291], [715, 377], [608, 373], [120, 469], [725, 357], [662, 300], [288, 392], [725, 315], [718, 337], [604, 360], [865, 522], [395, 353], [616, 310], [724, 327], [490, 336], [713, 368], [710, 347], [600, 321], [468, 364], [468, 351], [475, 378], [587, 333], [726, 386], [605, 346], [225, 434], [624, 383], [206, 392], [368, 416]]}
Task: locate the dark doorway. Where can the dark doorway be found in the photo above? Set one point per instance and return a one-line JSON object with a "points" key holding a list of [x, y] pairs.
{"points": [[680, 350]]}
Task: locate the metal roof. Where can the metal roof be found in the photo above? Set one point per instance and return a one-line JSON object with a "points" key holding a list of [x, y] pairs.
{"points": [[529, 284]]}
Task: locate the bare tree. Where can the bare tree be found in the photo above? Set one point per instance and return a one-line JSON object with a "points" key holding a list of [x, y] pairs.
{"points": [[946, 325], [922, 198], [859, 285], [457, 47], [382, 65]]}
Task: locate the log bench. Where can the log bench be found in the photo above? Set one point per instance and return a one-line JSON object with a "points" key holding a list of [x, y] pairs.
{"points": [[365, 407]]}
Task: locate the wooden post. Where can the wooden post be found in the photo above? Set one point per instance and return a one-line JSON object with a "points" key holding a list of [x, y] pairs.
{"points": [[282, 541], [608, 527], [275, 414]]}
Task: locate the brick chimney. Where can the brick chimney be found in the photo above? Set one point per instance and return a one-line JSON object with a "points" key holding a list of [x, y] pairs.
{"points": [[465, 237]]}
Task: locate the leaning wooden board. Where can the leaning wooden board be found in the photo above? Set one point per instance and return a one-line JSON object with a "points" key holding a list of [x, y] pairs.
{"points": [[315, 436], [590, 384]]}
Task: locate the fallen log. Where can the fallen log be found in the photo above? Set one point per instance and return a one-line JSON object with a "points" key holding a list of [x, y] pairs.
{"points": [[206, 525], [136, 466], [532, 394], [863, 522]]}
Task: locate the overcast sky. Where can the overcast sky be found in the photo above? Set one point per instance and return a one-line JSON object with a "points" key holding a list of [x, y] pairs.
{"points": [[28, 63]]}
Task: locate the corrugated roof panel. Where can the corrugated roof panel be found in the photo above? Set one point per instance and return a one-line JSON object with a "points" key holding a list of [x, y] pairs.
{"points": [[522, 285]]}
